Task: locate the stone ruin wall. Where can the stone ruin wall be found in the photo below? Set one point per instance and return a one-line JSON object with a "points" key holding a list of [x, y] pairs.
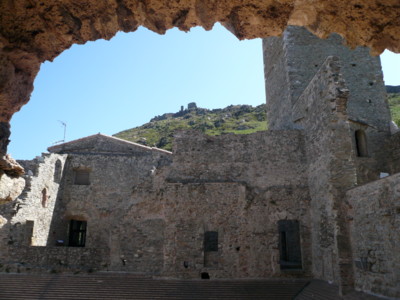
{"points": [[28, 217], [330, 100], [321, 111], [156, 225], [106, 204], [247, 232], [240, 186], [143, 217], [302, 55], [390, 154], [36, 202], [45, 259], [291, 62], [336, 171], [357, 253], [122, 220], [374, 216], [260, 160], [278, 100]]}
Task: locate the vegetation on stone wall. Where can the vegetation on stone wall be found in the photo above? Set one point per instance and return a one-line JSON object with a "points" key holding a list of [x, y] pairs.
{"points": [[239, 119]]}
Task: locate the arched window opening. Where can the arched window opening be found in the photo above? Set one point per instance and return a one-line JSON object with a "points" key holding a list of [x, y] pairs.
{"points": [[44, 197], [57, 171], [361, 143]]}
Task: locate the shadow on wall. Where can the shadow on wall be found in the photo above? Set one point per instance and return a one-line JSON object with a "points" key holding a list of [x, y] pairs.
{"points": [[29, 239]]}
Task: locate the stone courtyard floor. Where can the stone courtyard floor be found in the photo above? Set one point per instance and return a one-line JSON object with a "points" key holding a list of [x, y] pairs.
{"points": [[116, 286]]}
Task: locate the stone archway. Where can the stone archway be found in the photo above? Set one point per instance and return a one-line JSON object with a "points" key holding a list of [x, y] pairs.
{"points": [[32, 32]]}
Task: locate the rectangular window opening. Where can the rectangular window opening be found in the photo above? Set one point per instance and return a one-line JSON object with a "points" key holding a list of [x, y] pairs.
{"points": [[81, 177], [289, 245], [77, 233], [210, 241], [211, 255]]}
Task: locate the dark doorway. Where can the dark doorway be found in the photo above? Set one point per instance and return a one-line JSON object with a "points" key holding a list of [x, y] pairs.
{"points": [[289, 244], [210, 241], [77, 233], [211, 256]]}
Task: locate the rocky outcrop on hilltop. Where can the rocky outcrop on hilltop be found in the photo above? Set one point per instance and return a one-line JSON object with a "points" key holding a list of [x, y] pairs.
{"points": [[159, 132]]}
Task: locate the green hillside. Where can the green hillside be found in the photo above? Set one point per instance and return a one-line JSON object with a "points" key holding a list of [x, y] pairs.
{"points": [[394, 104], [239, 119]]}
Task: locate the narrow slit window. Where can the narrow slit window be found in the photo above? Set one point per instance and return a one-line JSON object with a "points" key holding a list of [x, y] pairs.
{"points": [[44, 198], [57, 171], [361, 143]]}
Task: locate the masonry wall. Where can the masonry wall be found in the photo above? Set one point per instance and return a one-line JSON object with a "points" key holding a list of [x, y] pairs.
{"points": [[390, 154], [375, 235], [321, 111], [301, 55], [239, 186], [18, 259], [147, 214], [113, 208], [247, 230], [262, 159], [30, 215], [278, 97], [292, 60]]}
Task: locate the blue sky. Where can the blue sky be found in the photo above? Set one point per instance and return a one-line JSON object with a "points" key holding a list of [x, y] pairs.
{"points": [[110, 86]]}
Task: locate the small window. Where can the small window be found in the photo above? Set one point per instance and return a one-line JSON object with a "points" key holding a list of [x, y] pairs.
{"points": [[81, 177], [77, 233], [44, 198], [361, 143], [210, 241], [57, 171], [289, 244]]}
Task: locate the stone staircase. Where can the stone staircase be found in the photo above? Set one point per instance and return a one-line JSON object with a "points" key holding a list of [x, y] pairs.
{"points": [[115, 286], [322, 290], [118, 286]]}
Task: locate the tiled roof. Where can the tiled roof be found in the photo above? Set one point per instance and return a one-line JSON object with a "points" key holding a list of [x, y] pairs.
{"points": [[60, 147]]}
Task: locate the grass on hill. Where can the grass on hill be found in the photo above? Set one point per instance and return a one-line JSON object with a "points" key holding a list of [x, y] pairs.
{"points": [[394, 105], [159, 132], [238, 119]]}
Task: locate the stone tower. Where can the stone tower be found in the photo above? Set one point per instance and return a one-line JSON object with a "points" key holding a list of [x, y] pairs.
{"points": [[337, 98], [292, 60]]}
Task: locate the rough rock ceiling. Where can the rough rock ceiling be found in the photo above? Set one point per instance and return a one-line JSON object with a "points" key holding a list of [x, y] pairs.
{"points": [[32, 31]]}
